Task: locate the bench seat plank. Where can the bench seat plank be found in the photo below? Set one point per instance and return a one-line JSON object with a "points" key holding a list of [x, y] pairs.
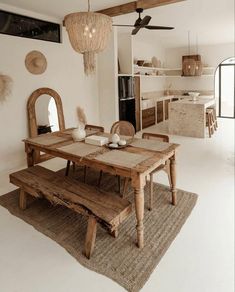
{"points": [[108, 209]]}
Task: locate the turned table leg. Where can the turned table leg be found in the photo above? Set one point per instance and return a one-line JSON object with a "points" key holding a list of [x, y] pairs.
{"points": [[138, 185], [173, 179]]}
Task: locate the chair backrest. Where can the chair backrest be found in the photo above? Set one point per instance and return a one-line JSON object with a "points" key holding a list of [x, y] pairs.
{"points": [[123, 128], [160, 137], [93, 127]]}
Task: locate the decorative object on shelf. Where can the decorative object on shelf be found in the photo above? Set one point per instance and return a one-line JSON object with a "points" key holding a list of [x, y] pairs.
{"points": [[79, 133], [5, 87], [148, 64], [194, 95], [88, 34], [140, 63], [154, 61], [36, 62]]}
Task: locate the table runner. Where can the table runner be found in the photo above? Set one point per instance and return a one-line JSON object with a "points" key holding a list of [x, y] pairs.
{"points": [[150, 144], [48, 139], [122, 158], [80, 149]]}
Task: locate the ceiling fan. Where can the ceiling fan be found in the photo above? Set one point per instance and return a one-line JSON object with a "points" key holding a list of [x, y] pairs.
{"points": [[143, 23]]}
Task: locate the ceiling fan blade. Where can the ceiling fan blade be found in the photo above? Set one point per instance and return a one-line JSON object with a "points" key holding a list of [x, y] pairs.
{"points": [[135, 30], [125, 25], [145, 21], [158, 27], [138, 22]]}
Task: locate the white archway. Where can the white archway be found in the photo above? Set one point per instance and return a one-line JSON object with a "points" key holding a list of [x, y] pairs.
{"points": [[224, 88]]}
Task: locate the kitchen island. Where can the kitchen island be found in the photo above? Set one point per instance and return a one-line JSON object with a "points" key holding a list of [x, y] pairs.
{"points": [[188, 117]]}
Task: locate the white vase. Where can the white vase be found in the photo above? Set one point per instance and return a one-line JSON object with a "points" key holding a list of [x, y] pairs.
{"points": [[79, 133]]}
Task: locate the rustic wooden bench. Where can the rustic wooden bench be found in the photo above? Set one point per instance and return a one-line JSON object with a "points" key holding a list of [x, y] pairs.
{"points": [[99, 206]]}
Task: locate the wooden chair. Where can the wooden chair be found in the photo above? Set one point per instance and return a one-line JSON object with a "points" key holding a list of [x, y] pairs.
{"points": [[126, 129], [165, 167], [214, 116], [210, 121], [123, 128], [87, 127]]}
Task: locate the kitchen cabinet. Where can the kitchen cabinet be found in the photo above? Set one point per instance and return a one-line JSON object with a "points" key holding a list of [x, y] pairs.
{"points": [[160, 111], [148, 117], [166, 108]]}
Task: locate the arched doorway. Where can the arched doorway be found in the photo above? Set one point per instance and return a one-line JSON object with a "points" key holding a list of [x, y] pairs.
{"points": [[225, 89]]}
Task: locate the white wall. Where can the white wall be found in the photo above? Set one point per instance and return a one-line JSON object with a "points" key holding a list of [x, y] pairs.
{"points": [[145, 48], [108, 83], [64, 74], [212, 56]]}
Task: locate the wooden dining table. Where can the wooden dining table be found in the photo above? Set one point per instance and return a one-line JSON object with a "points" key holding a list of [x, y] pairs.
{"points": [[135, 161]]}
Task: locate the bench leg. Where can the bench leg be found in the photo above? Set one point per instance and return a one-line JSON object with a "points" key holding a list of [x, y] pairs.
{"points": [[114, 233], [23, 200], [67, 168], [90, 236], [151, 193]]}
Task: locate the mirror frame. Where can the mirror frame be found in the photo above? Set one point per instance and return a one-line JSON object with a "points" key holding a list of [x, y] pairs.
{"points": [[32, 119]]}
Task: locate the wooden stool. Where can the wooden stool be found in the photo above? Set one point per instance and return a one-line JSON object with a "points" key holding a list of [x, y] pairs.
{"points": [[210, 122], [214, 116]]}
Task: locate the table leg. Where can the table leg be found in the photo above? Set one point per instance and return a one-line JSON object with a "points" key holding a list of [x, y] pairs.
{"points": [[173, 179], [139, 209]]}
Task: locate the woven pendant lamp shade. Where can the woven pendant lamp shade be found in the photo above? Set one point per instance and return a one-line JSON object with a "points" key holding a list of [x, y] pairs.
{"points": [[88, 34], [198, 68], [189, 66]]}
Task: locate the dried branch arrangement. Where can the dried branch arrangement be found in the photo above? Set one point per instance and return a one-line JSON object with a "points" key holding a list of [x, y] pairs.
{"points": [[82, 120], [5, 87]]}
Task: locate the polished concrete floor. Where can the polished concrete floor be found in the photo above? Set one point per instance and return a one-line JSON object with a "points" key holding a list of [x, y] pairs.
{"points": [[201, 259]]}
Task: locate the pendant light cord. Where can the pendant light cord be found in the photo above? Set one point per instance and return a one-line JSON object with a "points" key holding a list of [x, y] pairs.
{"points": [[89, 6], [189, 43]]}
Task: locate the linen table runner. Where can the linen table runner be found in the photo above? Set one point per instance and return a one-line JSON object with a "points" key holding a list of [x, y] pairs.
{"points": [[80, 149], [48, 139], [122, 158], [150, 144]]}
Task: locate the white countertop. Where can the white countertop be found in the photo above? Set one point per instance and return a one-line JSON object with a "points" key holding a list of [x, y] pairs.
{"points": [[202, 100]]}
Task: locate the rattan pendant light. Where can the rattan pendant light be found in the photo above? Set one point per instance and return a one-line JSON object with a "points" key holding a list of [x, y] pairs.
{"points": [[189, 64], [198, 63], [88, 34]]}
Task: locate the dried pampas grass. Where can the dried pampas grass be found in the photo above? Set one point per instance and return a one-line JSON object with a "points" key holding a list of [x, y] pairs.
{"points": [[5, 87], [82, 120]]}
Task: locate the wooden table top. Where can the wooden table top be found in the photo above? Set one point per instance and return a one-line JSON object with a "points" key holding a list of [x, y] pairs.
{"points": [[141, 156]]}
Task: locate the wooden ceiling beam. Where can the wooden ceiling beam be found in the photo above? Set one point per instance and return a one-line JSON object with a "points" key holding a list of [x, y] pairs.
{"points": [[132, 6]]}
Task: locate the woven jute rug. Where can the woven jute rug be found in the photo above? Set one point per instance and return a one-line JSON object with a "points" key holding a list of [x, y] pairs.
{"points": [[118, 259]]}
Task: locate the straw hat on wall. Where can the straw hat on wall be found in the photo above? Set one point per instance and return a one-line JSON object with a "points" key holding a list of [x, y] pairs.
{"points": [[36, 62]]}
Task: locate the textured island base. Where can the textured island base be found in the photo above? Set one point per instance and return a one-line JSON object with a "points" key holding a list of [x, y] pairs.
{"points": [[118, 259], [188, 118]]}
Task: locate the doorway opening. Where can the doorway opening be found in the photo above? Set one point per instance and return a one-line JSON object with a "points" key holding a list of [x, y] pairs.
{"points": [[225, 89]]}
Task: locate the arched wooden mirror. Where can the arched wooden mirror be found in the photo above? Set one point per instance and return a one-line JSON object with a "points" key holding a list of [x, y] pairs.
{"points": [[45, 114]]}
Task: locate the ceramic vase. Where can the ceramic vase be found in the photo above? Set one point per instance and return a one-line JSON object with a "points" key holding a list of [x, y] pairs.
{"points": [[79, 133]]}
